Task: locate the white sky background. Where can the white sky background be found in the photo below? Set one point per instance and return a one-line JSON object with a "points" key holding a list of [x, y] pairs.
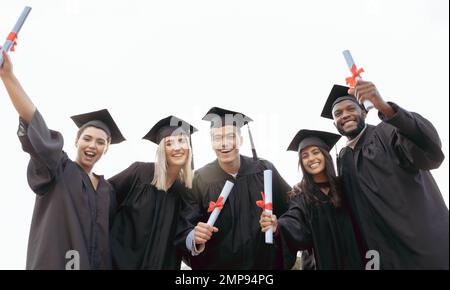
{"points": [[275, 61]]}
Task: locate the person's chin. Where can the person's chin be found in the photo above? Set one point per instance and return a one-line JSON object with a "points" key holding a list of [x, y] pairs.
{"points": [[314, 171], [181, 163], [351, 127], [351, 132], [88, 163], [227, 159], [177, 162]]}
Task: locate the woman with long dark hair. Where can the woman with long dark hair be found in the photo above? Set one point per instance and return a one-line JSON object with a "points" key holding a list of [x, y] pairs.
{"points": [[318, 219]]}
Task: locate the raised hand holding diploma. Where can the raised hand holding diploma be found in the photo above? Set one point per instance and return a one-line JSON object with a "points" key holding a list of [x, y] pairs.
{"points": [[266, 202], [12, 36], [216, 207], [356, 75]]}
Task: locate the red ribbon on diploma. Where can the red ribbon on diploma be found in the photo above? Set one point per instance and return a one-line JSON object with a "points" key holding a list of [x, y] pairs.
{"points": [[218, 204], [262, 204], [12, 36], [351, 81]]}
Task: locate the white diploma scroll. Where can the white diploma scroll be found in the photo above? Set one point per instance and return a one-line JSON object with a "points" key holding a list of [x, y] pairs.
{"points": [[268, 201], [10, 40], [352, 66], [223, 195]]}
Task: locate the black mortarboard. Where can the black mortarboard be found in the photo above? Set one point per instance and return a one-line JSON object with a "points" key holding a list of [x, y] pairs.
{"points": [[222, 117], [338, 94], [166, 127], [102, 120], [305, 138]]}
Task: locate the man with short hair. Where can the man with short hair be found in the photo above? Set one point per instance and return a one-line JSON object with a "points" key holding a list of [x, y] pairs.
{"points": [[236, 241], [386, 174]]}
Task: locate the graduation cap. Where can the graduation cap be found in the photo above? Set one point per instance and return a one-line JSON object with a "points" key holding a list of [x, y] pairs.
{"points": [[102, 120], [305, 138], [222, 117], [168, 126], [338, 94]]}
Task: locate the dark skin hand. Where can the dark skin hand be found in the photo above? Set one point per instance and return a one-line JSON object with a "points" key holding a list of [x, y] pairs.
{"points": [[365, 90]]}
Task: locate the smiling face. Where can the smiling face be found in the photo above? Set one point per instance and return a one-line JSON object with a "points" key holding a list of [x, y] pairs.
{"points": [[348, 118], [177, 150], [226, 142], [313, 160], [91, 144]]}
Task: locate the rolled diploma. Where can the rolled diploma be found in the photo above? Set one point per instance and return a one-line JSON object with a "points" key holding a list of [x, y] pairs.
{"points": [[225, 192], [8, 43], [268, 197], [349, 59]]}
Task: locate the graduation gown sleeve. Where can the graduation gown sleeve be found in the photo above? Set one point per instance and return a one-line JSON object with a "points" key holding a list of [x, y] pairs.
{"points": [[190, 215], [414, 139], [45, 149], [294, 232], [124, 181]]}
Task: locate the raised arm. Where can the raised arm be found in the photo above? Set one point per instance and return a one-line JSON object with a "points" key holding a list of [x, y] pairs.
{"points": [[415, 140], [24, 106]]}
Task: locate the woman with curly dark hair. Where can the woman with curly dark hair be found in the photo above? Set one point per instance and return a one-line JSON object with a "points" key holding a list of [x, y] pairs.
{"points": [[318, 219]]}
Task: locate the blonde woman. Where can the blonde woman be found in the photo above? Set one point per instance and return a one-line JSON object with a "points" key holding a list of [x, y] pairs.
{"points": [[150, 199]]}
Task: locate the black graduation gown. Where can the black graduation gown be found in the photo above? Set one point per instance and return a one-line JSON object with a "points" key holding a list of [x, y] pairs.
{"points": [[239, 244], [393, 195], [308, 261], [325, 229], [68, 213], [143, 230]]}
